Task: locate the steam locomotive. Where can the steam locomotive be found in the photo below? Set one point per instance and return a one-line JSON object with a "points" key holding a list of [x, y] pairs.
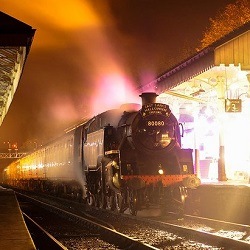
{"points": [[126, 158]]}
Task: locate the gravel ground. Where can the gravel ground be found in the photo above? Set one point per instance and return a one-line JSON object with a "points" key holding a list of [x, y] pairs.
{"points": [[149, 234], [71, 235], [162, 239], [229, 233]]}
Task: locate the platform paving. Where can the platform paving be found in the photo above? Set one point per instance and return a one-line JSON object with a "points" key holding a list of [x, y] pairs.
{"points": [[14, 234], [227, 200]]}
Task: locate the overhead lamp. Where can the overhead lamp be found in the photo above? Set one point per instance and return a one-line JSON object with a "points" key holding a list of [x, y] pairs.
{"points": [[200, 91]]}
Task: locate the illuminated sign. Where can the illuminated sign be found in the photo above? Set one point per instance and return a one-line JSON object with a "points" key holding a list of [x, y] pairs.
{"points": [[155, 123], [233, 105], [155, 109]]}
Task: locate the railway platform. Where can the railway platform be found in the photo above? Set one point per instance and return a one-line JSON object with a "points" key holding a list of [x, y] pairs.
{"points": [[224, 200], [14, 234]]}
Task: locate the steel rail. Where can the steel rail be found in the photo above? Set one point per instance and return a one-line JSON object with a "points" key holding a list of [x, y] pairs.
{"points": [[42, 239], [110, 235], [206, 237]]}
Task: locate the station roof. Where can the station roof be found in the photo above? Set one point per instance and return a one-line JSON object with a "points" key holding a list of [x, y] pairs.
{"points": [[232, 49], [15, 41]]}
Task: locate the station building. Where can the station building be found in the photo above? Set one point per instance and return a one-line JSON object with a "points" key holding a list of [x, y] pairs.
{"points": [[209, 92]]}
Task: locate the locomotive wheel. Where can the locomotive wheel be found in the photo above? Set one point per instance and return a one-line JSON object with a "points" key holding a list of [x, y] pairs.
{"points": [[101, 199], [119, 202], [90, 199], [133, 203], [179, 195], [110, 201]]}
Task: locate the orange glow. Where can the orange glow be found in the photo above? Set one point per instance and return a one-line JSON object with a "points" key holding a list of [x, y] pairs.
{"points": [[56, 19], [67, 14], [62, 109], [76, 33]]}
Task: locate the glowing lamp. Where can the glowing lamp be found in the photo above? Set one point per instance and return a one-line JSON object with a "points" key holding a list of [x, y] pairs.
{"points": [[160, 171]]}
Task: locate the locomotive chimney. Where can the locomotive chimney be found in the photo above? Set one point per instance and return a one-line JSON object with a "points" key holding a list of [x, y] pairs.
{"points": [[149, 97]]}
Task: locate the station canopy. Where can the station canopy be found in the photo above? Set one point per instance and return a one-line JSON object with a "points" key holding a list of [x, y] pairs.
{"points": [[209, 93], [222, 68], [15, 41]]}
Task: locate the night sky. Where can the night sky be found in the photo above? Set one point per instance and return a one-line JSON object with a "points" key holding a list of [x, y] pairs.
{"points": [[89, 56]]}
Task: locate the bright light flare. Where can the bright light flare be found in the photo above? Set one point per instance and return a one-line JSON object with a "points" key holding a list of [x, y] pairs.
{"points": [[237, 143], [160, 171]]}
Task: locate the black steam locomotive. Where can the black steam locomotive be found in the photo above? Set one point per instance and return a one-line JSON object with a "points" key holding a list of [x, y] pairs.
{"points": [[127, 158]]}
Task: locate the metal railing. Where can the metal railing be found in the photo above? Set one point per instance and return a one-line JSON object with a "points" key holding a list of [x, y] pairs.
{"points": [[13, 155]]}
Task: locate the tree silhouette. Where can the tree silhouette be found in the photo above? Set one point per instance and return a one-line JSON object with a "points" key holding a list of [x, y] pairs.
{"points": [[233, 16]]}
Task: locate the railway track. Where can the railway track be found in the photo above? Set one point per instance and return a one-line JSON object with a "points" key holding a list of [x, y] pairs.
{"points": [[190, 233], [222, 234], [42, 238], [162, 233], [106, 233]]}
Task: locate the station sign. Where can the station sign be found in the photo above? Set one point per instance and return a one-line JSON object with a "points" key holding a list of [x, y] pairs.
{"points": [[233, 105]]}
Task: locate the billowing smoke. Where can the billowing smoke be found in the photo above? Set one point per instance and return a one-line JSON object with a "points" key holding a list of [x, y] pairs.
{"points": [[77, 67], [113, 91]]}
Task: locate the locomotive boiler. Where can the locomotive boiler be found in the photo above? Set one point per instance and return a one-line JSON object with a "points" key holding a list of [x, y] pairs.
{"points": [[126, 158]]}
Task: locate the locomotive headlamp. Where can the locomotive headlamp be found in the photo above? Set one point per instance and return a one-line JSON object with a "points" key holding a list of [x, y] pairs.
{"points": [[165, 140], [160, 170]]}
